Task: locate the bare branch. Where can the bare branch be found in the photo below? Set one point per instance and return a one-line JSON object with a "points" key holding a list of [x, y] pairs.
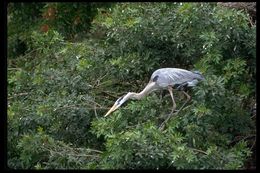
{"points": [[16, 95], [198, 150]]}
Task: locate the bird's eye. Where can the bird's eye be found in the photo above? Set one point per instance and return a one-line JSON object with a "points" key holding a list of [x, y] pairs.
{"points": [[118, 100]]}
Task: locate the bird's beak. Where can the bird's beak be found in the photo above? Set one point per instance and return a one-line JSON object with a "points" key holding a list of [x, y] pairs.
{"points": [[112, 109]]}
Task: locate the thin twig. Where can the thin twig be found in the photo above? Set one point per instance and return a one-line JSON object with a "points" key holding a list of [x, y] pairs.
{"points": [[98, 151], [16, 95], [80, 155], [77, 107], [95, 150], [249, 136], [253, 144], [198, 150], [12, 68], [94, 102], [109, 94], [251, 21], [99, 79], [253, 116], [239, 138], [95, 111], [194, 149]]}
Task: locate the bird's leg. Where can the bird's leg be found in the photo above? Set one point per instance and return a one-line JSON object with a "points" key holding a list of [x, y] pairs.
{"points": [[188, 99], [173, 101], [173, 108]]}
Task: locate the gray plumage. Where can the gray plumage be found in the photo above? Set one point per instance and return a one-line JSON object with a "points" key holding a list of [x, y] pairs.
{"points": [[165, 77]]}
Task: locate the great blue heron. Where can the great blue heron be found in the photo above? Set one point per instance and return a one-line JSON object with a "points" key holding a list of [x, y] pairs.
{"points": [[161, 79]]}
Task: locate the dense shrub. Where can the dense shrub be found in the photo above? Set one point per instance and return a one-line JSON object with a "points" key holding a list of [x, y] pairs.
{"points": [[59, 90], [71, 20], [170, 34]]}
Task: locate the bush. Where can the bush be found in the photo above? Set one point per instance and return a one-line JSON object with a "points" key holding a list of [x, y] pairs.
{"points": [[59, 90], [71, 20]]}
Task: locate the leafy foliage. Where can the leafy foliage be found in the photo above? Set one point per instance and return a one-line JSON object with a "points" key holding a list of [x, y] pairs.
{"points": [[59, 90], [71, 20]]}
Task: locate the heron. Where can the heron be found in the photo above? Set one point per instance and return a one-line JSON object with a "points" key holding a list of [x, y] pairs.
{"points": [[164, 79]]}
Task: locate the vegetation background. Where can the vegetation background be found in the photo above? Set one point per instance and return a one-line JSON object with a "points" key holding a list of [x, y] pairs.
{"points": [[69, 62]]}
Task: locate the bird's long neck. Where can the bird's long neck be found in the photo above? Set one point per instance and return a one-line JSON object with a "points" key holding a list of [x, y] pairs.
{"points": [[149, 87]]}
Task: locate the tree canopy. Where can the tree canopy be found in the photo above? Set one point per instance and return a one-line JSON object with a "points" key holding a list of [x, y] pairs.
{"points": [[69, 62]]}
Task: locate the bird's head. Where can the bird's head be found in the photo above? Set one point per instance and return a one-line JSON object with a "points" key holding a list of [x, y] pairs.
{"points": [[119, 102]]}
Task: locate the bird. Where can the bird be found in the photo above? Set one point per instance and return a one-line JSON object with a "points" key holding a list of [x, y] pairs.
{"points": [[164, 79]]}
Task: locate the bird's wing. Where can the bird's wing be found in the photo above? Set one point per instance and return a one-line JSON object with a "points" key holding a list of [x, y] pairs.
{"points": [[172, 76]]}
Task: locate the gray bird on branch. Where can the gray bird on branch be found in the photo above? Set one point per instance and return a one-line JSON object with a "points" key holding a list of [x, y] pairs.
{"points": [[164, 79]]}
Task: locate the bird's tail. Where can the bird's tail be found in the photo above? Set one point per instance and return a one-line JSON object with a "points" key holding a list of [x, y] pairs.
{"points": [[200, 76]]}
